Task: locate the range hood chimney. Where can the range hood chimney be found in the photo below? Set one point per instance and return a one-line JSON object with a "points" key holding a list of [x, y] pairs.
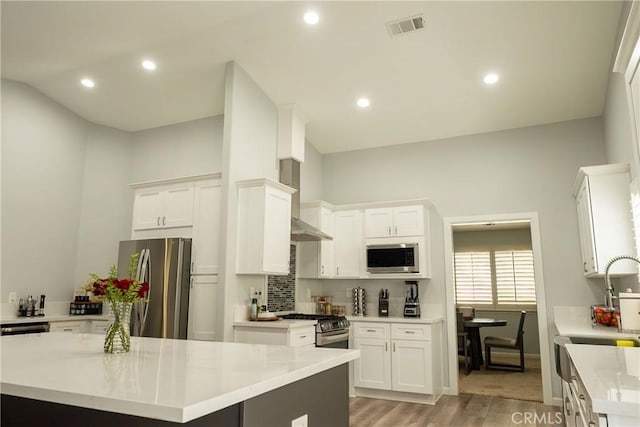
{"points": [[300, 230]]}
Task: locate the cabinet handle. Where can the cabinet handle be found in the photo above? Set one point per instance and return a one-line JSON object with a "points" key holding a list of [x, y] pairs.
{"points": [[389, 233], [409, 332], [567, 407], [68, 329], [394, 347], [158, 222], [163, 220], [192, 266], [322, 270], [302, 337], [191, 282], [386, 348], [337, 271], [371, 330], [585, 266], [581, 397], [396, 229]]}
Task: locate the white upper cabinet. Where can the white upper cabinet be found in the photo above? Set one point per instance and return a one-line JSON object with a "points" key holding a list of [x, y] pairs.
{"points": [[206, 227], [291, 133], [317, 259], [264, 227], [394, 221], [604, 218], [163, 206], [348, 243]]}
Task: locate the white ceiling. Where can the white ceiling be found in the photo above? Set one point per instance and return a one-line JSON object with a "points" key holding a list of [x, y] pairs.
{"points": [[553, 57]]}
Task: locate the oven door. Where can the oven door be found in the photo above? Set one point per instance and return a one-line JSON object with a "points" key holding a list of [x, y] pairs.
{"points": [[337, 339]]}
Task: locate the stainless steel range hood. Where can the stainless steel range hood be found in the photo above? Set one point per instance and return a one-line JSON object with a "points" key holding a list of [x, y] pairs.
{"points": [[300, 230]]}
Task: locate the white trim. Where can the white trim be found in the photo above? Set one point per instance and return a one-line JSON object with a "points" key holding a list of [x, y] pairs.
{"points": [[543, 335]]}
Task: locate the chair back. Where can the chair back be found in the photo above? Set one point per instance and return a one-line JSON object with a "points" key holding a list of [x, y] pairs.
{"points": [[459, 322], [519, 338]]}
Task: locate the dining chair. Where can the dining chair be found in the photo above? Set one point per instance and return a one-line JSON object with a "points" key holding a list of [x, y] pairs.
{"points": [[464, 343], [516, 343]]}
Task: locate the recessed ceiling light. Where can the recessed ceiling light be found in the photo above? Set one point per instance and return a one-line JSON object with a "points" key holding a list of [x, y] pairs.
{"points": [[363, 102], [311, 17], [491, 78], [148, 65], [87, 83]]}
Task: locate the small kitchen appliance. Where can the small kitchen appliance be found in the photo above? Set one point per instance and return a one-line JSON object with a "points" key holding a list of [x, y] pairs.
{"points": [[359, 301], [383, 303], [629, 310], [411, 301], [398, 258]]}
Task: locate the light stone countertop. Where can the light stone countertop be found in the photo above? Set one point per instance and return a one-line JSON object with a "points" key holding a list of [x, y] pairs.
{"points": [[576, 322], [611, 376], [172, 380], [9, 320], [275, 324], [421, 320]]}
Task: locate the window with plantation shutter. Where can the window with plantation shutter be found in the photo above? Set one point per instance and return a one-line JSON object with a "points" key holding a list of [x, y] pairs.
{"points": [[515, 283], [495, 279], [473, 277]]}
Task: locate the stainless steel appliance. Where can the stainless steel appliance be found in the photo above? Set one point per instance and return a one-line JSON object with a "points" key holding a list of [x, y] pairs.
{"points": [[393, 258], [331, 331], [165, 265], [411, 301], [24, 328]]}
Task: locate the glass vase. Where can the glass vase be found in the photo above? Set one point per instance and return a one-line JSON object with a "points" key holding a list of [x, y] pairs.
{"points": [[117, 338]]}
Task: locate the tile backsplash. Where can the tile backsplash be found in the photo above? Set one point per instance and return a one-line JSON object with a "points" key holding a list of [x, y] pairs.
{"points": [[281, 290]]}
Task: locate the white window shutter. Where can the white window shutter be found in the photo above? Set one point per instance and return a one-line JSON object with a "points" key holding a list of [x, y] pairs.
{"points": [[473, 277], [515, 281]]}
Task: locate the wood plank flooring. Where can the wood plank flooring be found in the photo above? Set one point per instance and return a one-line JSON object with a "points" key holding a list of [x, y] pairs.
{"points": [[462, 410]]}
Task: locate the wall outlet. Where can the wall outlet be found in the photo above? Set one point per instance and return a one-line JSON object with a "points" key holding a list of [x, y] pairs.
{"points": [[13, 298], [302, 421]]}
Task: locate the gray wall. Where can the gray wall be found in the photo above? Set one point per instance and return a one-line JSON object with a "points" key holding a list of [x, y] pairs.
{"points": [[519, 170], [65, 196]]}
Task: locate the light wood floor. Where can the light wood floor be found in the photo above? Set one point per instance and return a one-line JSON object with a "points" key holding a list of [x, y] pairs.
{"points": [[462, 410]]}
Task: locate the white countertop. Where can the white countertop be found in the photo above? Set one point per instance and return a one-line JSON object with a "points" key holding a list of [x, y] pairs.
{"points": [[611, 376], [280, 324], [423, 320], [8, 320], [172, 380], [576, 322]]}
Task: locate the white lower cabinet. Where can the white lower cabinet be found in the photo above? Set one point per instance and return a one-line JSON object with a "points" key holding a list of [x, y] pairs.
{"points": [[202, 308], [72, 326], [293, 337], [398, 357], [98, 326]]}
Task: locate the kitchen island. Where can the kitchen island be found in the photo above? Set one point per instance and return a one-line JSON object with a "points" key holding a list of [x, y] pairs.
{"points": [[165, 382]]}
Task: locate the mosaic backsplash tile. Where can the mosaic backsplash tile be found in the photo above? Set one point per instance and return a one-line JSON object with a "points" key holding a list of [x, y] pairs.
{"points": [[281, 290]]}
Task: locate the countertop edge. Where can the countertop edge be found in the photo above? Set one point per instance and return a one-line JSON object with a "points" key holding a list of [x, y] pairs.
{"points": [[423, 320], [275, 324]]}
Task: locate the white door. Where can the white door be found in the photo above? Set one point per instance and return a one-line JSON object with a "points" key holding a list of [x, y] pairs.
{"points": [[378, 222], [202, 308], [411, 367], [147, 209], [177, 206], [206, 227], [373, 368], [348, 245], [408, 220]]}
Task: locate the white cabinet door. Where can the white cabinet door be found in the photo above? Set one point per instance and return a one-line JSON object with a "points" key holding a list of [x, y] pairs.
{"points": [[394, 221], [163, 207], [99, 326], [378, 222], [206, 227], [264, 227], [585, 227], [348, 243], [408, 220], [373, 368], [316, 259], [202, 308], [327, 247], [411, 366], [177, 206], [147, 209], [74, 327]]}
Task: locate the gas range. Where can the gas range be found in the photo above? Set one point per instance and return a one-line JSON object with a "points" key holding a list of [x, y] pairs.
{"points": [[331, 330]]}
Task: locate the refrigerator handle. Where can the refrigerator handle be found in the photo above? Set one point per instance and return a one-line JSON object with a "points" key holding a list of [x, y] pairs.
{"points": [[146, 276], [140, 261]]}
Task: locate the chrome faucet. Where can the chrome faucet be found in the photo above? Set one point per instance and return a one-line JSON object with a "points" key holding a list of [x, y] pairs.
{"points": [[608, 298]]}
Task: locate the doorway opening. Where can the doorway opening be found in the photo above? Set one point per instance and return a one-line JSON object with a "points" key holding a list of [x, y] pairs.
{"points": [[498, 248]]}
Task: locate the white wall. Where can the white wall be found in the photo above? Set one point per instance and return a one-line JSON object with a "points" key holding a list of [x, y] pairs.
{"points": [[520, 170], [43, 152], [183, 149], [249, 151]]}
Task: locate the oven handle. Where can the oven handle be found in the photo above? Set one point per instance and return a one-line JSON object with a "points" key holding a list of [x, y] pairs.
{"points": [[330, 339]]}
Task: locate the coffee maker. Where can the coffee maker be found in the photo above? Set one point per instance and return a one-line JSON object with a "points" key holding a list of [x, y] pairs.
{"points": [[411, 301]]}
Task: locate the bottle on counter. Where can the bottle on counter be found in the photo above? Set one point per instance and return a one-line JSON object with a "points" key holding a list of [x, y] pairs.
{"points": [[254, 308]]}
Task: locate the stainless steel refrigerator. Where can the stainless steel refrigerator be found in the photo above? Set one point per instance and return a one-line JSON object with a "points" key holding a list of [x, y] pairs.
{"points": [[165, 265]]}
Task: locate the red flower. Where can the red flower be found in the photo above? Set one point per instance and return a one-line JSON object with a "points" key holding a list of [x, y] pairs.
{"points": [[123, 284], [144, 289], [99, 288]]}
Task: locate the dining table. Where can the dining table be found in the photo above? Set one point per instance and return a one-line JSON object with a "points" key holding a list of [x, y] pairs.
{"points": [[472, 327]]}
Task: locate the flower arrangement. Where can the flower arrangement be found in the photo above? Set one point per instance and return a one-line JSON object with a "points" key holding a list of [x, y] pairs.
{"points": [[121, 290], [120, 294]]}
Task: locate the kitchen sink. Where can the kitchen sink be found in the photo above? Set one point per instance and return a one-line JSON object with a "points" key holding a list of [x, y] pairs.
{"points": [[603, 341]]}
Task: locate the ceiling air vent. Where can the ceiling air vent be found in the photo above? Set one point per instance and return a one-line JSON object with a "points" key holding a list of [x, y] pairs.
{"points": [[405, 25]]}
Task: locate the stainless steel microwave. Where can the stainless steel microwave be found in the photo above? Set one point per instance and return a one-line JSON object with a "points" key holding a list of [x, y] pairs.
{"points": [[393, 258]]}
